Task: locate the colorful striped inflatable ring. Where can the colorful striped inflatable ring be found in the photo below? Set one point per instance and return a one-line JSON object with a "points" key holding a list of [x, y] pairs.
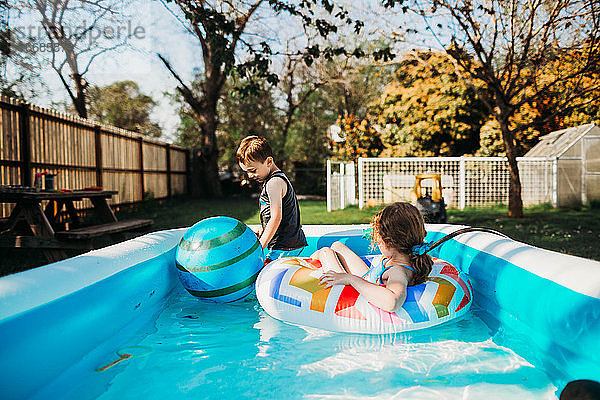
{"points": [[288, 289], [218, 259]]}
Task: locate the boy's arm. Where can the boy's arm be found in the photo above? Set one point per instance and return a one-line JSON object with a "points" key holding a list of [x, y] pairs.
{"points": [[275, 190]]}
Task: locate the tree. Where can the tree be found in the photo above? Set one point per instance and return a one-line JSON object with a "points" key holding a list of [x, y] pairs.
{"points": [[121, 104], [76, 39], [354, 84], [239, 116], [534, 114], [307, 141], [307, 146], [508, 47], [243, 115], [314, 96], [219, 33], [362, 139], [19, 68], [589, 112], [220, 27], [491, 143], [348, 86], [428, 110], [298, 83]]}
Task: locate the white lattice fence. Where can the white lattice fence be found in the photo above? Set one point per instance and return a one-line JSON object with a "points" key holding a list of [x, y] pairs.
{"points": [[341, 185], [486, 181], [385, 180], [466, 181]]}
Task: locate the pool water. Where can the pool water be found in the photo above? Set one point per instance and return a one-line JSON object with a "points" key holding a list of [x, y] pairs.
{"points": [[200, 350]]}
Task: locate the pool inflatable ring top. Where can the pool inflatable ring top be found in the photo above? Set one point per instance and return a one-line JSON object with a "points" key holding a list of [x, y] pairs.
{"points": [[288, 289]]}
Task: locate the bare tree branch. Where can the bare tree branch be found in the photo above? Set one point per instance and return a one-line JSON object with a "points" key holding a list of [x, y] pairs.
{"points": [[55, 18], [550, 53], [185, 91]]}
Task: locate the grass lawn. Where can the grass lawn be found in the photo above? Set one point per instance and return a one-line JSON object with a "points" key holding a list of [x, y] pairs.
{"points": [[570, 231]]}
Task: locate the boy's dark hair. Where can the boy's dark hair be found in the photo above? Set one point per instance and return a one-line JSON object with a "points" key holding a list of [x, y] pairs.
{"points": [[401, 226], [253, 148], [581, 389]]}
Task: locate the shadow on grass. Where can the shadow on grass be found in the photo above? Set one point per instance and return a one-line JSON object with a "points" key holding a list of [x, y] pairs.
{"points": [[183, 212]]}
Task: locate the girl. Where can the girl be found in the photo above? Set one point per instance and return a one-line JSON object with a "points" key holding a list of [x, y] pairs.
{"points": [[399, 232]]}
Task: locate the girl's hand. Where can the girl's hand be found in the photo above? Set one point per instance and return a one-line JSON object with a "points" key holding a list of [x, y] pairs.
{"points": [[331, 278]]}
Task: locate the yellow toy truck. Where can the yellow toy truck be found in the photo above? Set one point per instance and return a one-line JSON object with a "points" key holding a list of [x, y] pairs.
{"points": [[431, 207]]}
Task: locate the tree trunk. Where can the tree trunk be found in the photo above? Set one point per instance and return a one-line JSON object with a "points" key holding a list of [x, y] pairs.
{"points": [[515, 202], [205, 109], [211, 151], [207, 118], [79, 100], [285, 129]]}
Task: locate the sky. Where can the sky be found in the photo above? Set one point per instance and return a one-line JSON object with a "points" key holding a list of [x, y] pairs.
{"points": [[157, 30]]}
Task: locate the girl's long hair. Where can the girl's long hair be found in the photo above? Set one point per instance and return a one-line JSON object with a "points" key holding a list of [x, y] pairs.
{"points": [[401, 226]]}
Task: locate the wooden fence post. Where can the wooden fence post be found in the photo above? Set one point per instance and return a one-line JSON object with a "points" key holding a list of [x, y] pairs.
{"points": [[168, 148], [25, 144], [141, 159], [188, 171], [98, 145]]}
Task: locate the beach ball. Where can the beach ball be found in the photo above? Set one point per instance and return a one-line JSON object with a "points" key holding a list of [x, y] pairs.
{"points": [[219, 259]]}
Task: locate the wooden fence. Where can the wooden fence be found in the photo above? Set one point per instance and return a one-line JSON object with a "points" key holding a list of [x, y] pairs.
{"points": [[84, 154]]}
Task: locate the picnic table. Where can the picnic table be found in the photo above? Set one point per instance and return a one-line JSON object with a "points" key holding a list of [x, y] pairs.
{"points": [[42, 227]]}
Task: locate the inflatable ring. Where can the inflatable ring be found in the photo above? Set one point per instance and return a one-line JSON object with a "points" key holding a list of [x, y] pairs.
{"points": [[288, 290]]}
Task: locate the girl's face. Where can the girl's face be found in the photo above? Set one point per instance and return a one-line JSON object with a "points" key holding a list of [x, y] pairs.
{"points": [[385, 250]]}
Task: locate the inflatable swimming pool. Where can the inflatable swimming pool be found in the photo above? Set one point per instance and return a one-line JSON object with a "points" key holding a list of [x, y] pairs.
{"points": [[288, 289], [56, 322]]}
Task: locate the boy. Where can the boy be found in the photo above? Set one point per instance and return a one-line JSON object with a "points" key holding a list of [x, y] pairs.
{"points": [[281, 231]]}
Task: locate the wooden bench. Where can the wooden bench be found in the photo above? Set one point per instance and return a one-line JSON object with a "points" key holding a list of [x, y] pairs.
{"points": [[104, 229], [30, 225]]}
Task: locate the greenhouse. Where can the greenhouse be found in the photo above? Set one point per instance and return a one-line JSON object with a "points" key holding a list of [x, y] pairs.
{"points": [[576, 152]]}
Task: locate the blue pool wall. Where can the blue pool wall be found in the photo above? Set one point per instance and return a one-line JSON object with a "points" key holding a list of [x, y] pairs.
{"points": [[552, 298], [54, 316]]}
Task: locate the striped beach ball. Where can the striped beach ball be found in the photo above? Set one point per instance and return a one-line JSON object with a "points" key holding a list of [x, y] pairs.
{"points": [[219, 259]]}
